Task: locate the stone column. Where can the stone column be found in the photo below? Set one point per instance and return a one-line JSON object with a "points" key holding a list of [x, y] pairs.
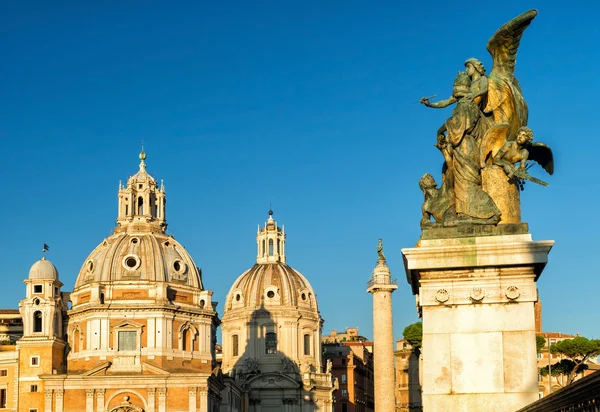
{"points": [[100, 400], [89, 400], [151, 400], [203, 400], [48, 400], [192, 399], [381, 286], [476, 295], [59, 400], [162, 399]]}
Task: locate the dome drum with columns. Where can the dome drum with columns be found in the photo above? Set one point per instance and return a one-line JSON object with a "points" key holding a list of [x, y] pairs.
{"points": [[148, 284]]}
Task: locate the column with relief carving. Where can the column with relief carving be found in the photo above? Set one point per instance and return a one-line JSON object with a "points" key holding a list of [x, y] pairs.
{"points": [[162, 399], [59, 400], [48, 400], [100, 400], [89, 400], [151, 400], [192, 399]]}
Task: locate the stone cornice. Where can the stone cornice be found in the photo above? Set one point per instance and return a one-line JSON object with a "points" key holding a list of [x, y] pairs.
{"points": [[491, 251]]}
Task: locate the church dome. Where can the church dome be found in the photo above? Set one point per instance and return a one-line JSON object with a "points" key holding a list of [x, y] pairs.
{"points": [[268, 285], [143, 256], [140, 250], [43, 269], [271, 282]]}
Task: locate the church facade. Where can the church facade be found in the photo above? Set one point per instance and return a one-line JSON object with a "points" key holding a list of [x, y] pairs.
{"points": [[138, 332], [272, 333]]}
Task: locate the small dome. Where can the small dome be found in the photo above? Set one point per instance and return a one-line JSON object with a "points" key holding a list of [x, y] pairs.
{"points": [[43, 269], [272, 284], [145, 256]]}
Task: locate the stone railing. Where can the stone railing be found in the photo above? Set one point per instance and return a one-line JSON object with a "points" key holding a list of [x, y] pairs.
{"points": [[580, 396]]}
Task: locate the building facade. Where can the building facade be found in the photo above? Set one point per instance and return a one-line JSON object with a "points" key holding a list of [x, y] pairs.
{"points": [[271, 332], [141, 332], [408, 381], [351, 360]]}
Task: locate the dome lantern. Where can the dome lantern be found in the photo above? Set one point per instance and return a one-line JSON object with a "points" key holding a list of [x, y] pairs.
{"points": [[141, 203], [270, 241]]}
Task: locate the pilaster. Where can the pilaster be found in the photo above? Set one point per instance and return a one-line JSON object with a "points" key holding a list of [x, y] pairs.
{"points": [[48, 400], [89, 400], [162, 399], [100, 400], [192, 399], [151, 400]]}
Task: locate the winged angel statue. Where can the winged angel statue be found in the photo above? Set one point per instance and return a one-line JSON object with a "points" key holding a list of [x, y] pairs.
{"points": [[483, 139]]}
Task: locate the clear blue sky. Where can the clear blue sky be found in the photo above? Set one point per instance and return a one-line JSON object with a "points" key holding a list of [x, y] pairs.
{"points": [[308, 105]]}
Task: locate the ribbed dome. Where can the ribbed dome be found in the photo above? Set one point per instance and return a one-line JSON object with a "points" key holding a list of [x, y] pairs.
{"points": [[43, 269], [153, 257], [272, 284]]}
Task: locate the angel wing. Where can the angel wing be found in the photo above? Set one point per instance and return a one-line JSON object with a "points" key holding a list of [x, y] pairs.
{"points": [[505, 42], [504, 98], [492, 141], [542, 154]]}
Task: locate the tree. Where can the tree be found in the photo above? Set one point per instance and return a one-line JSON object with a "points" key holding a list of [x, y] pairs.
{"points": [[414, 335], [540, 342], [561, 369], [578, 350]]}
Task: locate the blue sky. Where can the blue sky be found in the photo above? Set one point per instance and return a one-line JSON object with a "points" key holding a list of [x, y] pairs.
{"points": [[308, 105]]}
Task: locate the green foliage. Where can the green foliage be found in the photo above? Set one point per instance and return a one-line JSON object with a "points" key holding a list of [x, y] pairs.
{"points": [[540, 342], [564, 367], [578, 348], [414, 335]]}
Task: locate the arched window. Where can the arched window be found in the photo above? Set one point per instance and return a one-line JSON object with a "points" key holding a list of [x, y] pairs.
{"points": [[270, 247], [37, 321], [270, 343], [56, 325], [264, 249], [235, 346], [184, 339], [102, 298], [278, 247], [307, 344], [76, 339], [140, 206]]}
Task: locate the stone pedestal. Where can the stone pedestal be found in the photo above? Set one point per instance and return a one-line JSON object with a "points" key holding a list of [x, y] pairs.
{"points": [[476, 296]]}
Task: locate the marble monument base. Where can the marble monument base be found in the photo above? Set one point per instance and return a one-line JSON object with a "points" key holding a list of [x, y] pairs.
{"points": [[476, 296]]}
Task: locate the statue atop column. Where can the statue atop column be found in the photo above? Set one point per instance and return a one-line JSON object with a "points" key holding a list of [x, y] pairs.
{"points": [[483, 139]]}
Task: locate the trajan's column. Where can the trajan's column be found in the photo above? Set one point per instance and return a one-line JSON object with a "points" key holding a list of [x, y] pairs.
{"points": [[381, 286]]}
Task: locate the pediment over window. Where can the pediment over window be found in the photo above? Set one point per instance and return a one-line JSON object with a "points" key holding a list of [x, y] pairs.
{"points": [[128, 324]]}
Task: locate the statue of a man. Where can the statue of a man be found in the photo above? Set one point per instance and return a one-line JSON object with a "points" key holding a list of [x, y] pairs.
{"points": [[380, 249]]}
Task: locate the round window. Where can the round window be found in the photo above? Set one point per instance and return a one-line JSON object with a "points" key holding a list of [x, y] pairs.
{"points": [[134, 240], [270, 294], [303, 296], [131, 262], [90, 266], [36, 302], [202, 304], [178, 266], [238, 297]]}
